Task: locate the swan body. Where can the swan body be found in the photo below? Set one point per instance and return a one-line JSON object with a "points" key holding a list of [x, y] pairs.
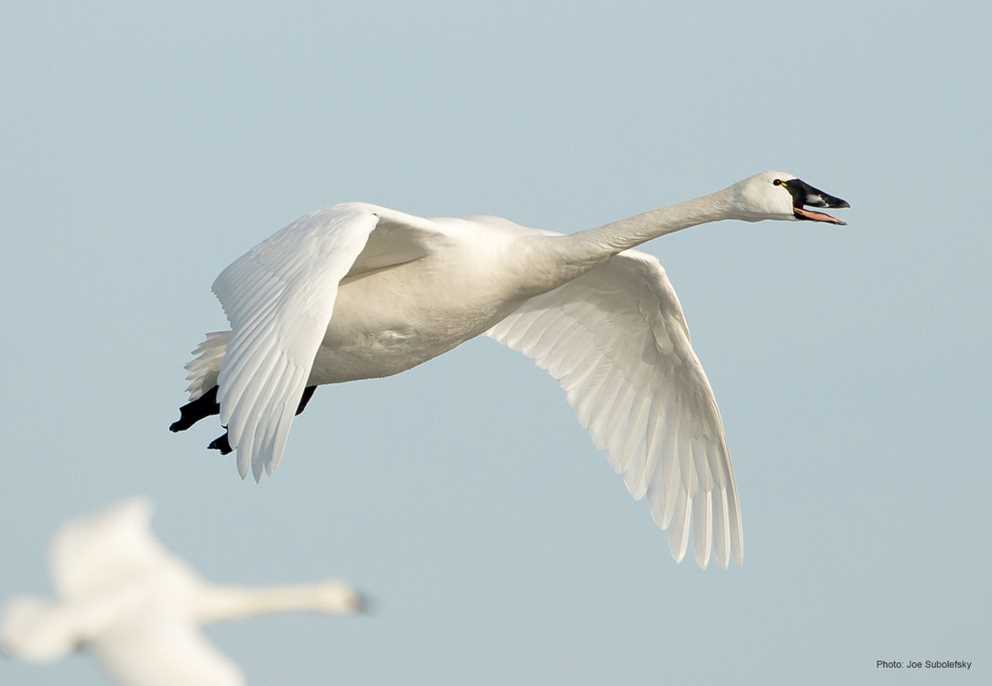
{"points": [[123, 596], [422, 307], [361, 291]]}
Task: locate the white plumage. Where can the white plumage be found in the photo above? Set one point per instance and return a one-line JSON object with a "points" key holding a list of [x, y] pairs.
{"points": [[279, 300], [123, 596], [641, 392], [361, 291]]}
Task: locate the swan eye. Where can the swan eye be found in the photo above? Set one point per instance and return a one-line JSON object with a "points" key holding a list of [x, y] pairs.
{"points": [[777, 182]]}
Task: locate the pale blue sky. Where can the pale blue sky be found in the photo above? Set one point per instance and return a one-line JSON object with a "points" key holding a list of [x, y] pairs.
{"points": [[142, 147]]}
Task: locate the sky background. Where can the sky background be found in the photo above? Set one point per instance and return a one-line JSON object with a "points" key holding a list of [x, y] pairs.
{"points": [[144, 146]]}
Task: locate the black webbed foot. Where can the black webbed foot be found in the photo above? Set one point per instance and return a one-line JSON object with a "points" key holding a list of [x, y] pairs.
{"points": [[220, 443], [206, 406], [192, 412], [307, 394]]}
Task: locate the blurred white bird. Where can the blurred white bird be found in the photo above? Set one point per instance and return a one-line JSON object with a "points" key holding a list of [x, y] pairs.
{"points": [[360, 291], [138, 608]]}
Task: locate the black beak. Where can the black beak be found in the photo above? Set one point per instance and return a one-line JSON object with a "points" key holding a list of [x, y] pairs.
{"points": [[366, 605], [803, 194]]}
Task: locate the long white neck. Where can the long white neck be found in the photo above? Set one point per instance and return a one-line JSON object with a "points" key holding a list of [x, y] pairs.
{"points": [[223, 603], [623, 234], [579, 252]]}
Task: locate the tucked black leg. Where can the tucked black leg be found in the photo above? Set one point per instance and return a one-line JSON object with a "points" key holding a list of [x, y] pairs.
{"points": [[307, 394], [220, 443], [190, 413]]}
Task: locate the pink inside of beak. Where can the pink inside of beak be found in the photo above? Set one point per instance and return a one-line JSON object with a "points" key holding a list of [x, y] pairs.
{"points": [[817, 216]]}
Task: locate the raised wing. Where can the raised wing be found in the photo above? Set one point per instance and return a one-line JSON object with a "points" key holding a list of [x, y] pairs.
{"points": [[96, 553], [279, 298], [617, 341]]}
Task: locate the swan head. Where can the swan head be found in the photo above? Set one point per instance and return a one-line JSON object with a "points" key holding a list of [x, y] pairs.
{"points": [[336, 598], [783, 196]]}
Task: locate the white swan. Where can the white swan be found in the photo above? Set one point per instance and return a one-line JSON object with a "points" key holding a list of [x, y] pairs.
{"points": [[138, 608], [599, 317]]}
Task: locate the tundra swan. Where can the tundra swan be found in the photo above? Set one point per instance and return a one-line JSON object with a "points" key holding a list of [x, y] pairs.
{"points": [[360, 291], [138, 608]]}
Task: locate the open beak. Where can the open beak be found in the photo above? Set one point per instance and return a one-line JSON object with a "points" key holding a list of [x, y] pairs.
{"points": [[803, 194]]}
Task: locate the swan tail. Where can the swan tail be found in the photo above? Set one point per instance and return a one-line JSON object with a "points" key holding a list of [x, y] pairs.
{"points": [[202, 373], [30, 629], [202, 370]]}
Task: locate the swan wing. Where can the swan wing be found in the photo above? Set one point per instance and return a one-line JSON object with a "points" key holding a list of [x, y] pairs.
{"points": [[104, 550], [617, 340], [164, 651], [279, 298]]}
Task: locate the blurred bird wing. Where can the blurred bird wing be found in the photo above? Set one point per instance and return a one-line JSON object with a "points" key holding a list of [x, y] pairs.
{"points": [[164, 652], [279, 298], [616, 340], [104, 550]]}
